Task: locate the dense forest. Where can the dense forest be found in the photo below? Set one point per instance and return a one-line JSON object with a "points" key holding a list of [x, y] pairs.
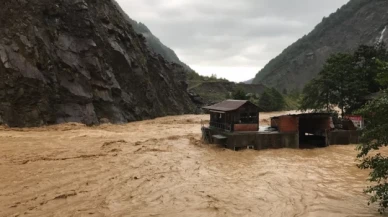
{"points": [[357, 22]]}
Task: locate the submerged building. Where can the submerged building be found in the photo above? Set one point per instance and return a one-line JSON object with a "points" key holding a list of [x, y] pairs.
{"points": [[235, 124], [234, 116]]}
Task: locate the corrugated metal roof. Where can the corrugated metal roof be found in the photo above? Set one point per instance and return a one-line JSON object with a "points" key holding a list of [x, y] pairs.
{"points": [[227, 105]]}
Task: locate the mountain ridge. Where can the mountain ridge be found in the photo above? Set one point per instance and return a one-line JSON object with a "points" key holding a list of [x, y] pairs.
{"points": [[154, 43], [357, 22]]}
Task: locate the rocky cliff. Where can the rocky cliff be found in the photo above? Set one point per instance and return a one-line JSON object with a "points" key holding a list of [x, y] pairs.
{"points": [[358, 22], [152, 41], [81, 61]]}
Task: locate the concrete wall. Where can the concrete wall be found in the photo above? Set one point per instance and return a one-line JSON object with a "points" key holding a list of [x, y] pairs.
{"points": [[263, 140], [275, 140], [246, 127], [344, 137]]}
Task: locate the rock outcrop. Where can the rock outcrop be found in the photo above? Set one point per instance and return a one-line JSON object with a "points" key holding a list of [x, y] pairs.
{"points": [[357, 22], [81, 61]]}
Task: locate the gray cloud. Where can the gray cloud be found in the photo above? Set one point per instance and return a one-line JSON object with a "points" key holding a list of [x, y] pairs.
{"points": [[235, 33]]}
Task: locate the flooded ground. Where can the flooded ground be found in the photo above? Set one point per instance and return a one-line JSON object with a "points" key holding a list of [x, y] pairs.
{"points": [[161, 168]]}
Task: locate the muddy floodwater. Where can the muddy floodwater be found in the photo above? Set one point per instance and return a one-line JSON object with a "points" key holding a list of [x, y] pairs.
{"points": [[161, 168]]}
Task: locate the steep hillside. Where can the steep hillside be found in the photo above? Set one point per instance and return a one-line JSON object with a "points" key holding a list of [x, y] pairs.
{"points": [[152, 41], [80, 60], [250, 81], [358, 22]]}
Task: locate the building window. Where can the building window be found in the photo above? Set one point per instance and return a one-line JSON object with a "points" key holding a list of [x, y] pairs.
{"points": [[248, 118]]}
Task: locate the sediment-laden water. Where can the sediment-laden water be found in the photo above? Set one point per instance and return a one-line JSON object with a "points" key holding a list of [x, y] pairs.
{"points": [[161, 168]]}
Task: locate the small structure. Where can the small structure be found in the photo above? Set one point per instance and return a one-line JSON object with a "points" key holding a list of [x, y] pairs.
{"points": [[235, 124], [312, 128], [317, 129], [234, 116]]}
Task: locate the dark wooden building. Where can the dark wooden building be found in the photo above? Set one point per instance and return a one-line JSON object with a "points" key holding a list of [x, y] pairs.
{"points": [[234, 115]]}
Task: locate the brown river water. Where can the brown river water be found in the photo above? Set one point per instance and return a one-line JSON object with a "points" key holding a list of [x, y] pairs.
{"points": [[161, 168]]}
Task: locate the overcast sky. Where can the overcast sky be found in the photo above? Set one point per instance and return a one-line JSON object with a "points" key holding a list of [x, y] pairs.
{"points": [[233, 39]]}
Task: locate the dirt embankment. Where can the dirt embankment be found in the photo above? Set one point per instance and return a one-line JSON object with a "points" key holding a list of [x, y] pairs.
{"points": [[161, 168]]}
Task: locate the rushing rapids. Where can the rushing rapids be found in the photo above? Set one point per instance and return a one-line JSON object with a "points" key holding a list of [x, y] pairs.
{"points": [[161, 168]]}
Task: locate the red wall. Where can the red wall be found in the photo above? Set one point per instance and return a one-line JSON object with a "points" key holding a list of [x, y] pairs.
{"points": [[288, 124]]}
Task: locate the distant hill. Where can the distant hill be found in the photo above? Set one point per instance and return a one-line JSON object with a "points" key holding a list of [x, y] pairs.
{"points": [[358, 22], [216, 91]]}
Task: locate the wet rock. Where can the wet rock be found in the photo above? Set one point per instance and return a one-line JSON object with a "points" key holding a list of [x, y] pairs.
{"points": [[25, 41], [18, 62], [81, 61], [15, 47], [81, 4]]}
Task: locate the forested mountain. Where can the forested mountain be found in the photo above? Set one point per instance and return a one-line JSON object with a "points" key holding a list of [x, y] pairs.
{"points": [[357, 22]]}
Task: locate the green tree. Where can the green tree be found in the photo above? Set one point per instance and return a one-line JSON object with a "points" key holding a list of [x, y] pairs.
{"points": [[344, 82], [338, 84], [368, 61], [265, 102], [316, 96], [213, 77], [278, 102], [382, 75], [294, 94], [239, 94], [374, 138], [271, 100]]}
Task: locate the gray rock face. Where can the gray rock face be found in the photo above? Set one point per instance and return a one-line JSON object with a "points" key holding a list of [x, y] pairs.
{"points": [[81, 61], [152, 41], [358, 22]]}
